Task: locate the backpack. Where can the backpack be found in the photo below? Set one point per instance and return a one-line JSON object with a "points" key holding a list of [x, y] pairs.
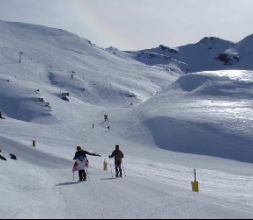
{"points": [[118, 156], [81, 158]]}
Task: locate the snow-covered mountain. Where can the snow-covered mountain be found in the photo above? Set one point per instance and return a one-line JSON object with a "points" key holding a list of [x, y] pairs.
{"points": [[210, 54], [62, 62], [54, 86]]}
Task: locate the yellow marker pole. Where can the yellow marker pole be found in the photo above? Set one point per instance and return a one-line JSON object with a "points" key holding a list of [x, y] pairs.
{"points": [[195, 183], [105, 166], [34, 143]]}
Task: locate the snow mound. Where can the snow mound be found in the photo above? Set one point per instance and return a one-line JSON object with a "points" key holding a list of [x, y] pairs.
{"points": [[205, 113], [199, 138], [234, 84]]}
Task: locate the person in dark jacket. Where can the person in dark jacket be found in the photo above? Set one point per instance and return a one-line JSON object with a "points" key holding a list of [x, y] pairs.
{"points": [[106, 118], [81, 160], [118, 155]]}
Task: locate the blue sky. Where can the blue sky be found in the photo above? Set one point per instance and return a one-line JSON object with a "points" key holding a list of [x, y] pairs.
{"points": [[137, 24]]}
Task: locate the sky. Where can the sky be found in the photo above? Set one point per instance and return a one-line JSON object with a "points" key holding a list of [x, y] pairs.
{"points": [[137, 24]]}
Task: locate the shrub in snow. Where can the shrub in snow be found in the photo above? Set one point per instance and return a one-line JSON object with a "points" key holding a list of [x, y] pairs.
{"points": [[47, 104], [128, 94], [64, 96], [2, 158], [131, 95], [41, 100], [13, 157]]}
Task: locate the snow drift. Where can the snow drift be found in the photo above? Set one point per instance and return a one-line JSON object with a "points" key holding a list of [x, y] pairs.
{"points": [[199, 138], [232, 84], [206, 113]]}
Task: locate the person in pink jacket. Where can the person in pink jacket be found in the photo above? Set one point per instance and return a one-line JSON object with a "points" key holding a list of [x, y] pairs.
{"points": [[81, 162]]}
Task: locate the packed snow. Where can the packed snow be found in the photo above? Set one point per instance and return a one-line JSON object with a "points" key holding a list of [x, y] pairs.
{"points": [[166, 122]]}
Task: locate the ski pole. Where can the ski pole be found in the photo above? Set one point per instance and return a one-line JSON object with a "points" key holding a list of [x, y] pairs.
{"points": [[111, 170], [124, 170], [87, 173]]}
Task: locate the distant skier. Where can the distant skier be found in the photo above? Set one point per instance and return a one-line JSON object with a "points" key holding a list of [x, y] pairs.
{"points": [[106, 118], [82, 162], [118, 155]]}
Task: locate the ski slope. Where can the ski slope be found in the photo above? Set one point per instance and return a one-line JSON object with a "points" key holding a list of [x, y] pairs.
{"points": [[45, 186], [167, 123]]}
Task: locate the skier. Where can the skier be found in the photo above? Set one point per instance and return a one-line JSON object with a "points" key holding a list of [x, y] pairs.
{"points": [[118, 155], [106, 118], [81, 162]]}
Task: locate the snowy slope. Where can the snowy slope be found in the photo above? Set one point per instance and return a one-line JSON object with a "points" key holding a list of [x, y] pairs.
{"points": [[60, 62], [156, 113], [48, 191]]}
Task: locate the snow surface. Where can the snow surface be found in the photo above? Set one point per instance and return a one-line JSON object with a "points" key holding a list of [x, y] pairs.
{"points": [[167, 124]]}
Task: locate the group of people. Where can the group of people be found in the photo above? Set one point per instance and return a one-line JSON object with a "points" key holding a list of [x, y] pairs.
{"points": [[81, 162]]}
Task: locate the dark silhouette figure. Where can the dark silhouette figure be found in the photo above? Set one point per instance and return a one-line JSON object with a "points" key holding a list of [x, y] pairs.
{"points": [[106, 118], [118, 155]]}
